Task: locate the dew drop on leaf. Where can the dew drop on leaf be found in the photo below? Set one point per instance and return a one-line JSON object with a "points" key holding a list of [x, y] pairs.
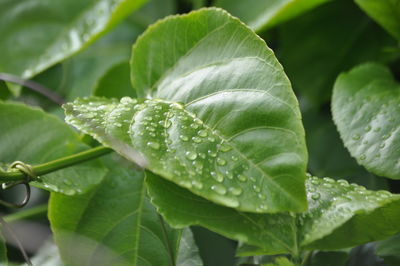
{"points": [[220, 189], [153, 145], [235, 191], [191, 155], [221, 161]]}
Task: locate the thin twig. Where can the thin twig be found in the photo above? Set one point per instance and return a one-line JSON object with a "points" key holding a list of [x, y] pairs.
{"points": [[33, 86]]}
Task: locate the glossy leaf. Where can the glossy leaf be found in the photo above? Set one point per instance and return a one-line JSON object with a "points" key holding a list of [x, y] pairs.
{"points": [[115, 83], [174, 143], [29, 135], [336, 207], [37, 34], [260, 14], [365, 102], [385, 12], [331, 46], [220, 65], [114, 224]]}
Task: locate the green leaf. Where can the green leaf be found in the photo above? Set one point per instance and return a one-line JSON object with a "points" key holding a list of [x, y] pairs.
{"points": [[322, 136], [231, 81], [33, 137], [385, 12], [365, 104], [174, 143], [260, 14], [37, 34], [335, 208], [115, 83], [332, 45], [188, 253], [389, 249], [114, 224]]}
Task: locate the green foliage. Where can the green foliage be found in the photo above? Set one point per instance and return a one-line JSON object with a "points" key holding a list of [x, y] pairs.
{"points": [[211, 128], [385, 12], [260, 15], [32, 136], [84, 239], [42, 33], [363, 103]]}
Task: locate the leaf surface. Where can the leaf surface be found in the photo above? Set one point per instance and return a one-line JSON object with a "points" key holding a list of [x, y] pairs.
{"points": [[188, 253], [29, 135], [176, 144], [365, 104], [336, 207], [389, 249], [37, 34], [114, 224], [385, 12], [260, 15], [228, 78]]}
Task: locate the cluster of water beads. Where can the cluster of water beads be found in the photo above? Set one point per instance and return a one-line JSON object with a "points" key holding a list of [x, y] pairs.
{"points": [[199, 153]]}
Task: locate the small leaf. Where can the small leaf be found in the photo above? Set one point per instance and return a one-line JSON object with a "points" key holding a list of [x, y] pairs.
{"points": [[88, 228], [260, 14], [336, 207], [57, 29], [365, 104], [385, 12], [33, 137], [174, 143]]}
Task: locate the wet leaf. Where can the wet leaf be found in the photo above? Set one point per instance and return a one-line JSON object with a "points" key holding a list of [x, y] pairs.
{"points": [[365, 102]]}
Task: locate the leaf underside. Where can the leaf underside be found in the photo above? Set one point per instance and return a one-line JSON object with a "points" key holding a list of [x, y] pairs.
{"points": [[365, 105]]}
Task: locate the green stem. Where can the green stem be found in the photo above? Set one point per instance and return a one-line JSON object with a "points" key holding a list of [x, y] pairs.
{"points": [[28, 213], [45, 168]]}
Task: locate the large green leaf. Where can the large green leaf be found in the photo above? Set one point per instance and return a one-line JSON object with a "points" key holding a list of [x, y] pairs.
{"points": [[33, 137], [365, 107], [228, 78], [115, 224], [335, 209], [39, 33], [385, 12], [331, 46], [261, 14], [179, 146]]}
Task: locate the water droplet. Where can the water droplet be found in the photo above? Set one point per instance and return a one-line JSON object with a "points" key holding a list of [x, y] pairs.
{"points": [[220, 189], [194, 126], [167, 123], [262, 196], [217, 176], [148, 118], [224, 147], [211, 138], [153, 145], [212, 153], [152, 134], [386, 136], [67, 182], [196, 139], [221, 161], [234, 158], [235, 191], [315, 196], [151, 129], [377, 129], [183, 137], [242, 178], [202, 133], [191, 155], [231, 202], [363, 157], [197, 184], [256, 188], [367, 128], [356, 136]]}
